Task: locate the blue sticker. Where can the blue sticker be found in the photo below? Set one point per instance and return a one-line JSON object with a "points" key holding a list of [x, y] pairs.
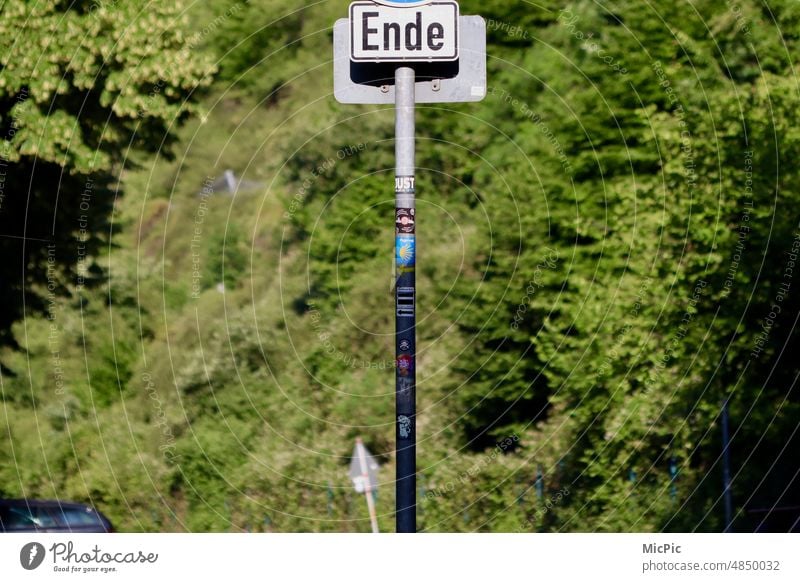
{"points": [[405, 251]]}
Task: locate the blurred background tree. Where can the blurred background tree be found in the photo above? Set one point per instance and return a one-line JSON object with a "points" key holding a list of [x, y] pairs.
{"points": [[86, 88], [603, 240]]}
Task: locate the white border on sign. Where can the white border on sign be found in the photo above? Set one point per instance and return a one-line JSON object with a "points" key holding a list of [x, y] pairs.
{"points": [[401, 4], [407, 59]]}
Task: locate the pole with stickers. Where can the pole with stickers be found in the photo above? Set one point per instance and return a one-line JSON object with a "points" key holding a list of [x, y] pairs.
{"points": [[404, 53]]}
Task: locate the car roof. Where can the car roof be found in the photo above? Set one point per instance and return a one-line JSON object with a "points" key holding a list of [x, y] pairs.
{"points": [[45, 503]]}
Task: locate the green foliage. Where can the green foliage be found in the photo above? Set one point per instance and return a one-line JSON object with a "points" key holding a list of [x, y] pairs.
{"points": [[602, 241], [81, 89]]}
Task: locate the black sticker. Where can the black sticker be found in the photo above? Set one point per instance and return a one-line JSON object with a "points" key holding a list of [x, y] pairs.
{"points": [[404, 221], [405, 302], [404, 386]]}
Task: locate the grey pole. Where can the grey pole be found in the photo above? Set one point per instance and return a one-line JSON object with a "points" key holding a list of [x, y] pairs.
{"points": [[405, 300]]}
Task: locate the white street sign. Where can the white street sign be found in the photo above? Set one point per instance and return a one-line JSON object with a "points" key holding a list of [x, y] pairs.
{"points": [[458, 81], [363, 469], [425, 33], [364, 473]]}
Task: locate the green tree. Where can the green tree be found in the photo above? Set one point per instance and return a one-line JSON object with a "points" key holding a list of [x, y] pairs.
{"points": [[84, 88]]}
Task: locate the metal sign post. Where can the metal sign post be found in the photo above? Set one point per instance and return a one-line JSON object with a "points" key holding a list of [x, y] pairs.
{"points": [[407, 52], [405, 301]]}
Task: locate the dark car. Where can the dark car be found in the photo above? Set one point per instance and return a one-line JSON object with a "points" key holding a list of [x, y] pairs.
{"points": [[32, 515]]}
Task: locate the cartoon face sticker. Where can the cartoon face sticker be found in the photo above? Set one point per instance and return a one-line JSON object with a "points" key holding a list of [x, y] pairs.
{"points": [[404, 221], [404, 426]]}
